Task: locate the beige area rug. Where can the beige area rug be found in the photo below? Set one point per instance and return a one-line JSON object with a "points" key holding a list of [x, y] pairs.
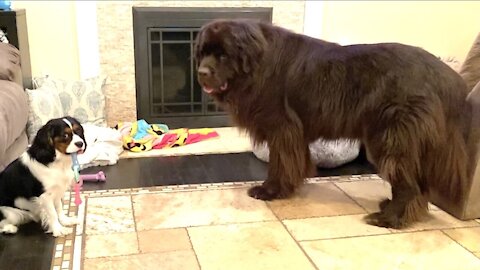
{"points": [[217, 226], [230, 140]]}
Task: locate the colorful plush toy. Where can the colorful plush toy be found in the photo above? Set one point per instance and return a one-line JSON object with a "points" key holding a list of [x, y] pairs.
{"points": [[139, 136]]}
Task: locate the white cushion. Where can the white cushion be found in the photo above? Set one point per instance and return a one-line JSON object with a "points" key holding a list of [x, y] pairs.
{"points": [[324, 153], [44, 104], [84, 100]]}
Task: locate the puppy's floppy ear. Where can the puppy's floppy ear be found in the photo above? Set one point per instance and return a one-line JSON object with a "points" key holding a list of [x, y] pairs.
{"points": [[42, 148], [250, 42]]}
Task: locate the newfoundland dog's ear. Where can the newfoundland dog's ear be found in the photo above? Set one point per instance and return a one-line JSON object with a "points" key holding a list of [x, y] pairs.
{"points": [[250, 43], [196, 48]]}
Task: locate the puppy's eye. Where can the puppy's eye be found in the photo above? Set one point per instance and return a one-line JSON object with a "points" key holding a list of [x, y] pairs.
{"points": [[66, 136], [223, 57]]}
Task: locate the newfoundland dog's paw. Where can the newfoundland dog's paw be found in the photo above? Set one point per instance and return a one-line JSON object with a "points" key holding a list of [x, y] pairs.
{"points": [[381, 219], [262, 193], [383, 204]]}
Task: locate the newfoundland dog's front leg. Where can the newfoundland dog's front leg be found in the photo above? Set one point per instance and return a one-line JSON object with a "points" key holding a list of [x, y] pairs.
{"points": [[289, 164]]}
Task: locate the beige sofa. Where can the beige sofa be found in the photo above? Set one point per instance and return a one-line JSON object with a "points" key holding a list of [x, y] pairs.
{"points": [[13, 106], [469, 208]]}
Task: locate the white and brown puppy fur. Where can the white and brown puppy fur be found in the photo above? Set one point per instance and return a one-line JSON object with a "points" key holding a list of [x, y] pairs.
{"points": [[32, 187]]}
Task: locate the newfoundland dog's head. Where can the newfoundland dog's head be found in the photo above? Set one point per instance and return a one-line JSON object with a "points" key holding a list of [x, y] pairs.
{"points": [[227, 53]]}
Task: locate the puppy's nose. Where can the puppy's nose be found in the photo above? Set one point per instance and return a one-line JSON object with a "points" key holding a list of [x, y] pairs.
{"points": [[79, 144], [204, 72]]}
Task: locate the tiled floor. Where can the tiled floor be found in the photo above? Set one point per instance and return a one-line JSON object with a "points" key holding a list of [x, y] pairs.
{"points": [[217, 226], [134, 221]]}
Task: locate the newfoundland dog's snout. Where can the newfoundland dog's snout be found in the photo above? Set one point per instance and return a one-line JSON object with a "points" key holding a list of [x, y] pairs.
{"points": [[205, 75], [204, 72], [210, 77]]}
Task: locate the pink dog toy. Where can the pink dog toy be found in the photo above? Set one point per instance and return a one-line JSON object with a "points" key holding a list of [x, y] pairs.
{"points": [[97, 177]]}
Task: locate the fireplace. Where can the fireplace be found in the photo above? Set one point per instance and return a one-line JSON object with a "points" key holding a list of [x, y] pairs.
{"points": [[166, 87]]}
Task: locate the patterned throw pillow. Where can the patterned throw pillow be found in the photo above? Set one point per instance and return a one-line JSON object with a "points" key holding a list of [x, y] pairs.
{"points": [[84, 100], [44, 103]]}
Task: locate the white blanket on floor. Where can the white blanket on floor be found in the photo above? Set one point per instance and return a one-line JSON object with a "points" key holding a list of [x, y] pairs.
{"points": [[104, 146]]}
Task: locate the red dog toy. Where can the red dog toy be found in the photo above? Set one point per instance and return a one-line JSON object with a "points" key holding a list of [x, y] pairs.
{"points": [[97, 177]]}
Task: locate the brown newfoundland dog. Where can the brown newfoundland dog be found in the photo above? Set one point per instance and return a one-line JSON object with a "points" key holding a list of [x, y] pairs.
{"points": [[405, 105]]}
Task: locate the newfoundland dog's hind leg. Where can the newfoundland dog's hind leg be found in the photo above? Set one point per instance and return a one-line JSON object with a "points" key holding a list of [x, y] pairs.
{"points": [[288, 166], [398, 162], [406, 207]]}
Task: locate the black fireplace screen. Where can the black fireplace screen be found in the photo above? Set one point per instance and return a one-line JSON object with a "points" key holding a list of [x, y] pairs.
{"points": [[174, 88], [167, 90]]}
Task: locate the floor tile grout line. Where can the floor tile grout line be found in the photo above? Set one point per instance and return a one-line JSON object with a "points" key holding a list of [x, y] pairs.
{"points": [[135, 223], [213, 225], [193, 248], [116, 257], [228, 184], [358, 236], [83, 234], [353, 199], [293, 238], [57, 240], [300, 247], [385, 234], [465, 248], [54, 251]]}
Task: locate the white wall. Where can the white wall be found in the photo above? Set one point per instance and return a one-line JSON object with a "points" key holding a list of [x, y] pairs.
{"points": [[52, 37], [445, 28], [87, 36], [64, 41], [313, 19]]}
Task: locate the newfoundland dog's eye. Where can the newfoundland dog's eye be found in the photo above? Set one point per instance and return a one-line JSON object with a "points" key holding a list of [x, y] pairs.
{"points": [[223, 57]]}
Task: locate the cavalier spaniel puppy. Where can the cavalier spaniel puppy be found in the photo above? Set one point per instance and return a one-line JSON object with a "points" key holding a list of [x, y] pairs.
{"points": [[32, 186]]}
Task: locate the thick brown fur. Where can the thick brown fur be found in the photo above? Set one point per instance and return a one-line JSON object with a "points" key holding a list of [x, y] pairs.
{"points": [[407, 107]]}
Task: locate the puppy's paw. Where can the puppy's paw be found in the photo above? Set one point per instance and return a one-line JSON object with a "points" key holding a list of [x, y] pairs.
{"points": [[69, 221], [59, 230], [9, 229], [36, 218]]}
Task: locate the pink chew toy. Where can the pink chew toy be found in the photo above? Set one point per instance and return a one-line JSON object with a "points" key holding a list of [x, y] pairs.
{"points": [[97, 177], [77, 189]]}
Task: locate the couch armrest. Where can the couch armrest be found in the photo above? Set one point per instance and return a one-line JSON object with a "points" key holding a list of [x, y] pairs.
{"points": [[10, 68]]}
